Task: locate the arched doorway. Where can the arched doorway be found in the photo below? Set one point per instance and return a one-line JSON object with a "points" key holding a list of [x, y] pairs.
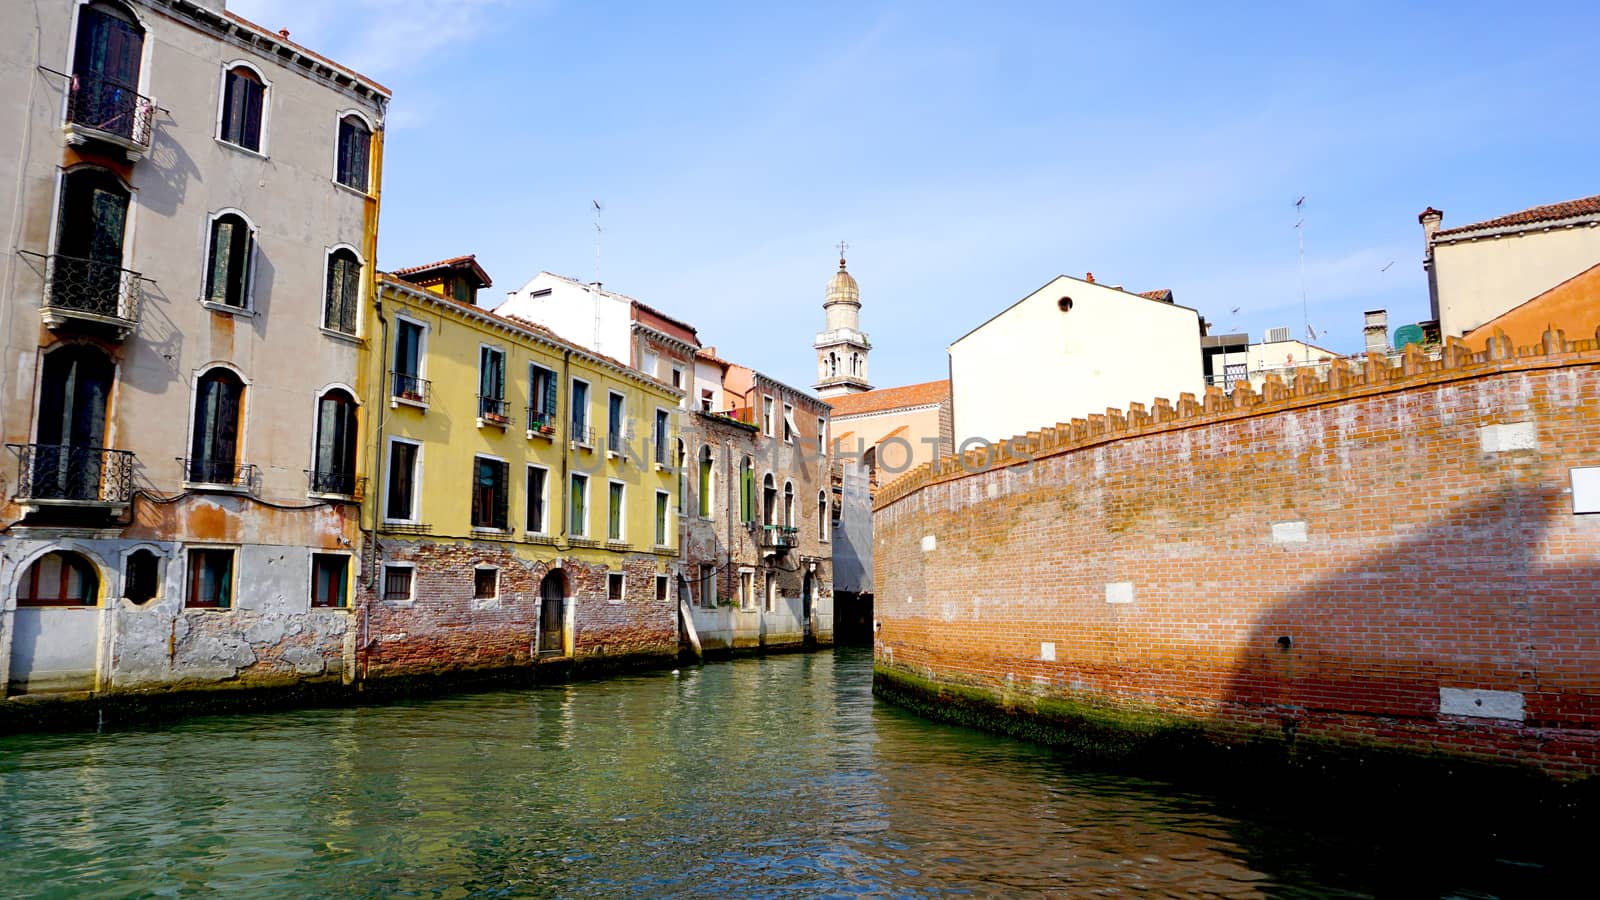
{"points": [[553, 614], [56, 625]]}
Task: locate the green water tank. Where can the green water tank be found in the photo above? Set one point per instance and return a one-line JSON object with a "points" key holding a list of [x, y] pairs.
{"points": [[1407, 334]]}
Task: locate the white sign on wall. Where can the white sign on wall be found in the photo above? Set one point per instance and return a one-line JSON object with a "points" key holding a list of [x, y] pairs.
{"points": [[1586, 490]]}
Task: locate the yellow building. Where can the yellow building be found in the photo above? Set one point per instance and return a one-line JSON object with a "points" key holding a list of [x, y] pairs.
{"points": [[523, 506]]}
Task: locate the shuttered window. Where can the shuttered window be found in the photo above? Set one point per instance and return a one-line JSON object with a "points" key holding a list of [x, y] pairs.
{"points": [[355, 147], [228, 262], [243, 102], [343, 292], [580, 506], [489, 499]]}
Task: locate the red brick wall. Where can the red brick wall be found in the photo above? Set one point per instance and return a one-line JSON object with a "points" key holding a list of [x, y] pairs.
{"points": [[445, 629], [1428, 562]]}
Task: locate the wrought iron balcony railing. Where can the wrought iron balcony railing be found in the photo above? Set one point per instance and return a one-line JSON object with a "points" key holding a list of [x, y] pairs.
{"points": [[219, 473], [581, 437], [336, 484], [90, 290], [70, 475], [410, 387], [779, 537], [616, 439], [104, 108], [541, 422], [493, 411]]}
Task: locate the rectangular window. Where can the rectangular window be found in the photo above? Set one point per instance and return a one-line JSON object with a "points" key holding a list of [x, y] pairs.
{"points": [[580, 411], [708, 585], [355, 147], [342, 292], [401, 503], [616, 510], [614, 586], [677, 378], [663, 423], [492, 384], [580, 506], [649, 363], [747, 589], [614, 423], [330, 578], [397, 583], [822, 516], [766, 416], [747, 493], [661, 589], [407, 375], [210, 579], [822, 436], [707, 399], [489, 495], [789, 428], [228, 261], [541, 397], [705, 482], [663, 504], [485, 583], [538, 480], [243, 102]]}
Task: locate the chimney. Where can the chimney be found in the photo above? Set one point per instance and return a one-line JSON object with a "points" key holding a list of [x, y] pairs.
{"points": [[1376, 328], [1430, 219], [283, 33], [1089, 277]]}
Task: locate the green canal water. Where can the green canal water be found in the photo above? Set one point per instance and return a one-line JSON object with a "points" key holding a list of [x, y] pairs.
{"points": [[765, 777]]}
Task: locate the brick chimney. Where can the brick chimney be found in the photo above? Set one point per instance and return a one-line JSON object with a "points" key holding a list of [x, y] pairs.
{"points": [[1089, 277], [1430, 219]]}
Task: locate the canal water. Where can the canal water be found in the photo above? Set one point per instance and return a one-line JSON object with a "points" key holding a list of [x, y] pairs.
{"points": [[763, 777]]}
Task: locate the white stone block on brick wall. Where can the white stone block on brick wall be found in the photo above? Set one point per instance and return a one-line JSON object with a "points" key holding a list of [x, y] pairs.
{"points": [[1481, 704], [1586, 490], [929, 543], [1047, 651], [1506, 438], [1119, 592], [1288, 532]]}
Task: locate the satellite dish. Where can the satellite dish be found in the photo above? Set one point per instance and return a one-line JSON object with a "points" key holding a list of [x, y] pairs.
{"points": [[1407, 334]]}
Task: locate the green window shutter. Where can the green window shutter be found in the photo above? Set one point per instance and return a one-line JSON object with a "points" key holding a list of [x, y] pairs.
{"points": [[221, 242], [502, 496], [550, 396]]}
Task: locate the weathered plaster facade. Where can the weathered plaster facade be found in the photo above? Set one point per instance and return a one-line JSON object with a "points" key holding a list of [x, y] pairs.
{"points": [[117, 322]]}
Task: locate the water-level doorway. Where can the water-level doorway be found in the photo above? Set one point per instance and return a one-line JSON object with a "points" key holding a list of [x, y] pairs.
{"points": [[553, 614]]}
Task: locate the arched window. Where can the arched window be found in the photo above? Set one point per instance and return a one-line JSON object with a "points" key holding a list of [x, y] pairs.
{"points": [[86, 274], [59, 579], [69, 459], [833, 364], [705, 482], [355, 147], [343, 291], [855, 364], [769, 500], [228, 261], [214, 452], [334, 471], [105, 72], [788, 504], [680, 461], [244, 100], [822, 515], [141, 576]]}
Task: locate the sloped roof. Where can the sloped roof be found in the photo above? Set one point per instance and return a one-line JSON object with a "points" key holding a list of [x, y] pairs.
{"points": [[924, 394], [283, 38], [1163, 294], [1551, 212], [469, 261], [1572, 306]]}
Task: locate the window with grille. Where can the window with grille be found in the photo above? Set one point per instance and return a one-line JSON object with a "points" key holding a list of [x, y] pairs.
{"points": [[485, 583], [397, 583]]}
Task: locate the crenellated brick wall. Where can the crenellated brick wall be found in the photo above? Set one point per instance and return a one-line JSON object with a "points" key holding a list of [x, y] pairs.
{"points": [[1387, 557]]}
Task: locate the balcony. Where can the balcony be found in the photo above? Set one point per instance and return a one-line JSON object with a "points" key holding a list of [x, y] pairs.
{"points": [[409, 389], [541, 424], [64, 475], [218, 475], [335, 485], [99, 109], [493, 411], [581, 438], [85, 291], [779, 538]]}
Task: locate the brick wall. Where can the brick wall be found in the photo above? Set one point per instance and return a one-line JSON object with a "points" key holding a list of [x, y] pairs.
{"points": [[1389, 557]]}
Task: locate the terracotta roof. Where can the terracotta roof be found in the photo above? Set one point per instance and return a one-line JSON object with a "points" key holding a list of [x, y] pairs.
{"points": [[928, 392], [454, 262], [1572, 306], [278, 36], [706, 354], [1164, 295], [1570, 209]]}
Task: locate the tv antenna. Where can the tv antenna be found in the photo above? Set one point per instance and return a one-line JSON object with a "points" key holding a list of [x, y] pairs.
{"points": [[597, 210], [1300, 230]]}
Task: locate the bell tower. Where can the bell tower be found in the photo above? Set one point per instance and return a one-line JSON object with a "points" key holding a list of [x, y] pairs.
{"points": [[842, 349]]}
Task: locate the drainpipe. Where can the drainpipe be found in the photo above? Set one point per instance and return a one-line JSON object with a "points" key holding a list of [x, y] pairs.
{"points": [[375, 444]]}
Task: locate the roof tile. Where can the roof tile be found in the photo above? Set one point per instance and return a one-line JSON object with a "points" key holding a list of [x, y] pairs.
{"points": [[889, 398], [1587, 206]]}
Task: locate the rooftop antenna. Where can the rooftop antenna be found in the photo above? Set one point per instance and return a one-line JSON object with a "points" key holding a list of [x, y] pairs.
{"points": [[596, 289], [1300, 229]]}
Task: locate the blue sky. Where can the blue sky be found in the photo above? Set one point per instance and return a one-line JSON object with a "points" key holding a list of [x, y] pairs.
{"points": [[968, 154]]}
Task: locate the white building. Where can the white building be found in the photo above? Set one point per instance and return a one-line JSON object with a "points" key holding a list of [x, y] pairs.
{"points": [[1476, 272], [1068, 350]]}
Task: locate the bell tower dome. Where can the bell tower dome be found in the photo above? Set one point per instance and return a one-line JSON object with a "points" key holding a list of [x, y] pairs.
{"points": [[842, 349]]}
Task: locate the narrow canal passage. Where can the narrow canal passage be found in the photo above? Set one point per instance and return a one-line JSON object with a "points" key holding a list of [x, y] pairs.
{"points": [[765, 777]]}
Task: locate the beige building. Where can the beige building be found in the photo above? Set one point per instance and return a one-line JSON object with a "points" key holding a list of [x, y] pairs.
{"points": [[1071, 349], [189, 203], [1476, 272]]}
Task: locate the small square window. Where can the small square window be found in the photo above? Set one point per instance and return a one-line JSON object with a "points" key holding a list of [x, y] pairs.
{"points": [[330, 577], [614, 583], [485, 583], [210, 579], [397, 582]]}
